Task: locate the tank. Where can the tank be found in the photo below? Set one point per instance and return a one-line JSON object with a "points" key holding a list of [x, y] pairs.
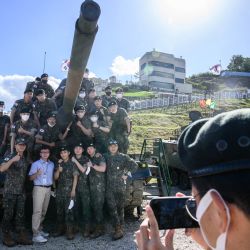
{"points": [[85, 31]]}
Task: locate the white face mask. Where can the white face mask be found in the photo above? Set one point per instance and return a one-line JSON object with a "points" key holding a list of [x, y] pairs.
{"points": [[80, 115], [82, 95], [25, 117], [119, 96], [51, 124], [201, 209], [94, 118]]}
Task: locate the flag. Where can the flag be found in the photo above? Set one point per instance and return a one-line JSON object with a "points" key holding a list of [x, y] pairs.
{"points": [[65, 65], [216, 69]]}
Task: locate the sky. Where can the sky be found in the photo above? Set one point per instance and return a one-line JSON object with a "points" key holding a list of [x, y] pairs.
{"points": [[203, 32]]}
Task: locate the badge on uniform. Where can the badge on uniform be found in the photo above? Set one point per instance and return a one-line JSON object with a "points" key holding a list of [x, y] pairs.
{"points": [[71, 204]]}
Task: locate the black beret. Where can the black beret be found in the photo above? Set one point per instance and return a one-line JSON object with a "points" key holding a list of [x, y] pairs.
{"points": [[91, 145], [52, 114], [38, 79], [20, 140], [112, 103], [28, 90], [112, 142], [40, 92], [91, 90], [78, 144], [216, 145], [25, 110], [118, 90], [80, 107], [63, 148], [1, 103], [97, 98], [44, 75], [108, 88]]}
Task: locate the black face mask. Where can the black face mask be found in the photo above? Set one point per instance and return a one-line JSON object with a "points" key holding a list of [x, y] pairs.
{"points": [[108, 93], [44, 81]]}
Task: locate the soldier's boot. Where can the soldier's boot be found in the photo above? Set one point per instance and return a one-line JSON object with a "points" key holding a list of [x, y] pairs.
{"points": [[118, 234], [86, 231], [23, 238], [8, 240], [99, 231], [59, 231], [70, 233]]}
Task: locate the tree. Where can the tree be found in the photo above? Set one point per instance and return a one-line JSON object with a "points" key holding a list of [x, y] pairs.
{"points": [[239, 63]]}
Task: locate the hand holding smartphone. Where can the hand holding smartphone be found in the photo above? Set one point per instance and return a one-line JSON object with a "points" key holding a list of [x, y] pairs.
{"points": [[171, 212]]}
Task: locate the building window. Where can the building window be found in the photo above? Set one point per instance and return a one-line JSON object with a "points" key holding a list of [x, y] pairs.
{"points": [[143, 66], [179, 69], [164, 85], [162, 74], [161, 64], [179, 80]]}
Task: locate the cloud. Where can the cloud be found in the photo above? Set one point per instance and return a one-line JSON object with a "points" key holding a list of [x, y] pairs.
{"points": [[13, 86], [92, 75], [122, 67]]}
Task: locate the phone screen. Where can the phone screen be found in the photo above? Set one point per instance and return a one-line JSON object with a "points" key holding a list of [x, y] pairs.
{"points": [[170, 213]]}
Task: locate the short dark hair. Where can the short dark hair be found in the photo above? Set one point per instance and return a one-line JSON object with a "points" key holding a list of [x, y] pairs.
{"points": [[45, 147]]}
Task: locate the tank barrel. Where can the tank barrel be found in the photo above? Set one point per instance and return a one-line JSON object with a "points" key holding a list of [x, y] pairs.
{"points": [[85, 30]]}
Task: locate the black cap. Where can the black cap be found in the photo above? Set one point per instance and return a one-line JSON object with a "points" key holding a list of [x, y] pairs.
{"points": [[108, 88], [25, 110], [63, 148], [28, 90], [52, 114], [112, 142], [118, 90], [38, 79], [112, 103], [80, 107], [216, 145], [44, 75], [1, 103], [40, 92], [91, 90], [97, 98], [20, 140], [78, 144], [91, 145]]}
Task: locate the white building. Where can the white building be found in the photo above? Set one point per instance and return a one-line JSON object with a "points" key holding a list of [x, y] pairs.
{"points": [[162, 71]]}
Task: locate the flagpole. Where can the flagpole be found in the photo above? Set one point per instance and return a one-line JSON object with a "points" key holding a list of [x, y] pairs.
{"points": [[44, 61]]}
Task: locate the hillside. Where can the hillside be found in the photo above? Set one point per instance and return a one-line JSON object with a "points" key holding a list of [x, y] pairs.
{"points": [[165, 122]]}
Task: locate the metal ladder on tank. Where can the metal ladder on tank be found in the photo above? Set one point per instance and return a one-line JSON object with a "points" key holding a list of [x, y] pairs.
{"points": [[155, 148]]}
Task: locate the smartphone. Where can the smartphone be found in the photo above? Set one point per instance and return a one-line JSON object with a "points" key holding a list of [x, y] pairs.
{"points": [[171, 212]]}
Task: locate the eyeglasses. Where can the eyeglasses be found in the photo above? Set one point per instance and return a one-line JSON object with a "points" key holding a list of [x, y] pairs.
{"points": [[191, 208]]}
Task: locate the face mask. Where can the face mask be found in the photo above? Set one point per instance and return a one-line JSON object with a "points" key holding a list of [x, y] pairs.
{"points": [[108, 93], [25, 117], [94, 118], [51, 124], [82, 95], [80, 115], [119, 96], [44, 81], [201, 209]]}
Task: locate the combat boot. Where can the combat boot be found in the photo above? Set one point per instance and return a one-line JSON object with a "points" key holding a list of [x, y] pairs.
{"points": [[70, 233], [8, 240], [118, 234], [59, 231], [23, 238], [86, 231], [99, 231]]}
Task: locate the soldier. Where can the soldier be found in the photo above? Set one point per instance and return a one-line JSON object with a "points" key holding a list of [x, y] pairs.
{"points": [[15, 166], [86, 83], [83, 212], [90, 101], [49, 91], [107, 98], [81, 99], [26, 102], [100, 131], [33, 85], [120, 129], [121, 101], [118, 167], [67, 175], [80, 129], [100, 110], [42, 106], [4, 125], [97, 189], [25, 128], [41, 173]]}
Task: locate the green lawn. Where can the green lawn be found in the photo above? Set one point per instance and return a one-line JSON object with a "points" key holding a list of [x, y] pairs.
{"points": [[144, 94]]}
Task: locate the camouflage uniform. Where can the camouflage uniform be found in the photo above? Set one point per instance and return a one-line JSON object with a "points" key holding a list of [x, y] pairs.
{"points": [[117, 166], [4, 121], [97, 189], [83, 194], [18, 106], [49, 91], [14, 194], [64, 187], [119, 129], [87, 84], [43, 109], [106, 100], [123, 103]]}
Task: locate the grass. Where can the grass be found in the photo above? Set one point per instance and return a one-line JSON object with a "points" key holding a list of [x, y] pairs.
{"points": [[142, 94], [165, 122]]}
